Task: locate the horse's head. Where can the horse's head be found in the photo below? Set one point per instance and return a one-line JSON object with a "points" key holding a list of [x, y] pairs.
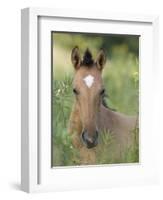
{"points": [[89, 90]]}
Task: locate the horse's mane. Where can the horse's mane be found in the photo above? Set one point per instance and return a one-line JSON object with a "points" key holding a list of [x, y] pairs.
{"points": [[104, 103]]}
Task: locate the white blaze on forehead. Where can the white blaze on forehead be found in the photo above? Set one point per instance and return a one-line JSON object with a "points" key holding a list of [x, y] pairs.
{"points": [[89, 80]]}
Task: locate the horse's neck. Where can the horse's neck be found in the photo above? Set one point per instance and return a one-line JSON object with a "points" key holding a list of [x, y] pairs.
{"points": [[107, 119], [115, 121]]}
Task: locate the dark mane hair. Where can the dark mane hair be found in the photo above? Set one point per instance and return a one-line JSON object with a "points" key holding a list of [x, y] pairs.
{"points": [[104, 103], [87, 59]]}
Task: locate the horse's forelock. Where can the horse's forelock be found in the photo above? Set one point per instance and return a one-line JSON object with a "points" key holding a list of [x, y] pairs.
{"points": [[87, 59]]}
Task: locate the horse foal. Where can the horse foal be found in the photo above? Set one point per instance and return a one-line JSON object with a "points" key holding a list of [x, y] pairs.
{"points": [[90, 116]]}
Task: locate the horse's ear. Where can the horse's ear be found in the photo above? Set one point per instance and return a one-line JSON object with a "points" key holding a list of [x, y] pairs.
{"points": [[101, 59], [75, 57]]}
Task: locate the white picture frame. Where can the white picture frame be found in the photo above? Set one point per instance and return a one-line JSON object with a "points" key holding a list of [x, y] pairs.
{"points": [[36, 171]]}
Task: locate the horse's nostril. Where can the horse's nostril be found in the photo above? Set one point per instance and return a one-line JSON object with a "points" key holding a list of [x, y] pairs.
{"points": [[90, 140]]}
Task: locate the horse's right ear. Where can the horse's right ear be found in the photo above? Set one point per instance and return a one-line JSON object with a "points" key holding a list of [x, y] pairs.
{"points": [[75, 57], [101, 59]]}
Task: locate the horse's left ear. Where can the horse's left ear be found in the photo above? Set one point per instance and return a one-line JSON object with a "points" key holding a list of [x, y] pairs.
{"points": [[101, 59], [75, 57]]}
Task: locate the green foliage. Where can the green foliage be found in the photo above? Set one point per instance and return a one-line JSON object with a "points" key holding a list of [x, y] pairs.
{"points": [[63, 151], [121, 80], [62, 100], [96, 41]]}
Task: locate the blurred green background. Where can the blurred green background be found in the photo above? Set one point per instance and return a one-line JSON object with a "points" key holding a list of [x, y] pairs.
{"points": [[121, 78]]}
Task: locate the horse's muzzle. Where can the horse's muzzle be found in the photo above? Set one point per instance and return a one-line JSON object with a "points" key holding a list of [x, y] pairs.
{"points": [[90, 140]]}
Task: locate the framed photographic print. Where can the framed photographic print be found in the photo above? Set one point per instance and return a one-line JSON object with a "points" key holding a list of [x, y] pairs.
{"points": [[88, 115]]}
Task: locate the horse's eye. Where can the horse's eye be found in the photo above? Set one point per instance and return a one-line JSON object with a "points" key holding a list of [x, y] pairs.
{"points": [[75, 91], [102, 92]]}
